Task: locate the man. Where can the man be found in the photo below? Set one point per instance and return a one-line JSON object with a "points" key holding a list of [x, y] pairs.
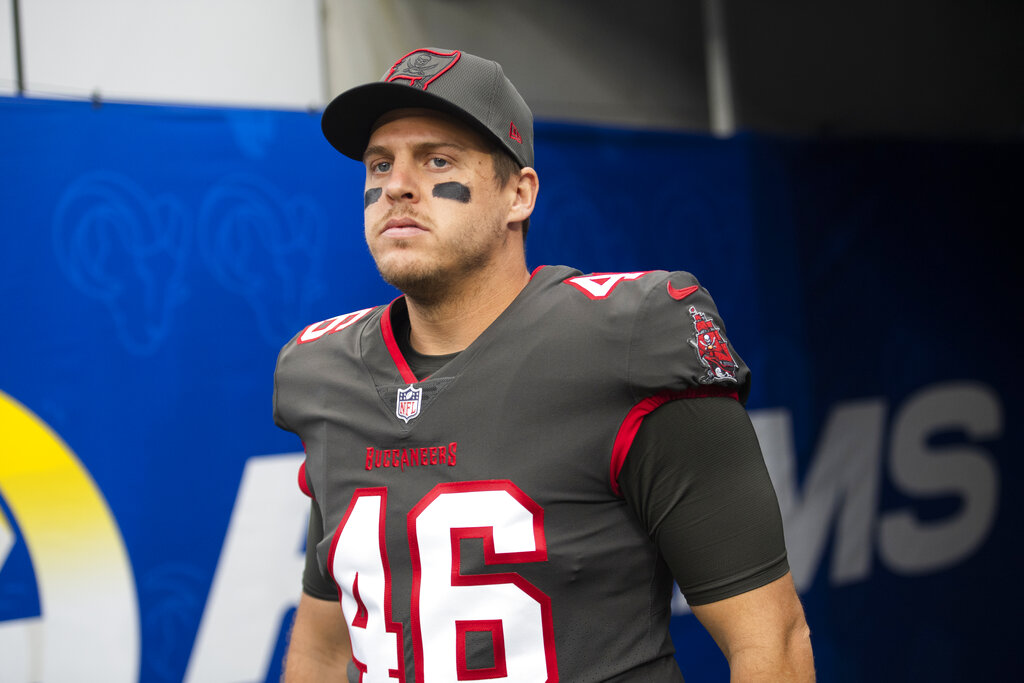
{"points": [[506, 469]]}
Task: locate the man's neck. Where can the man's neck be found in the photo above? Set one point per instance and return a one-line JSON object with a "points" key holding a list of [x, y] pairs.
{"points": [[452, 323]]}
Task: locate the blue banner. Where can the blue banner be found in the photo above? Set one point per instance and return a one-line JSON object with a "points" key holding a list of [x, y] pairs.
{"points": [[154, 259]]}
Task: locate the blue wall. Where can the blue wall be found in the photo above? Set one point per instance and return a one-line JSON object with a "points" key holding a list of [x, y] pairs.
{"points": [[154, 259]]}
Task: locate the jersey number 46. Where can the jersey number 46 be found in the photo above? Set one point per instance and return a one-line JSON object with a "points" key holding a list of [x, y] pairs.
{"points": [[447, 605]]}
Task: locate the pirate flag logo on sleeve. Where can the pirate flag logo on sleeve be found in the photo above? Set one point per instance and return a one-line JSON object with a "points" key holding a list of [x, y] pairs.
{"points": [[712, 348]]}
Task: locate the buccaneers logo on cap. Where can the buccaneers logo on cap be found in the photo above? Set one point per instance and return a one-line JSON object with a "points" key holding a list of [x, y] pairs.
{"points": [[422, 67]]}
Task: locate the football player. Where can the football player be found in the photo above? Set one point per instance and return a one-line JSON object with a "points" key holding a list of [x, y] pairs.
{"points": [[508, 469]]}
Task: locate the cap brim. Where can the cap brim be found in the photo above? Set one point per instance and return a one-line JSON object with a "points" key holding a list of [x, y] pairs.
{"points": [[348, 120]]}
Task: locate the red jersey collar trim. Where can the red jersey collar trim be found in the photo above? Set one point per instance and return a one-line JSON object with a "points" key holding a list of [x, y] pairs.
{"points": [[392, 345]]}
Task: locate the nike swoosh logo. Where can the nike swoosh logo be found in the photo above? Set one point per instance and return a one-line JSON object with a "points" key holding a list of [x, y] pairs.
{"points": [[680, 294]]}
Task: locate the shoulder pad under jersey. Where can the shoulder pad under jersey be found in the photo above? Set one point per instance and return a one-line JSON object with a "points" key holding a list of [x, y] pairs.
{"points": [[678, 340]]}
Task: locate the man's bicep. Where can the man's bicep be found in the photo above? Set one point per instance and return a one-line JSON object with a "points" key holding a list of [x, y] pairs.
{"points": [[697, 480], [762, 633]]}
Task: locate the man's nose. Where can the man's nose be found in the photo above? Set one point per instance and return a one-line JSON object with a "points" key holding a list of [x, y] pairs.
{"points": [[401, 183]]}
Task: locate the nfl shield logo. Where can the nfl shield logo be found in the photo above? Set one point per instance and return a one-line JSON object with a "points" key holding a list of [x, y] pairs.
{"points": [[408, 405]]}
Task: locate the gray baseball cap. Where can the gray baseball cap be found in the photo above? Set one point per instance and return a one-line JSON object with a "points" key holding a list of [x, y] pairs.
{"points": [[468, 87]]}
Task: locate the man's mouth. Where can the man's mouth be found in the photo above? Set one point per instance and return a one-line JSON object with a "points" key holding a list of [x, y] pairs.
{"points": [[402, 227]]}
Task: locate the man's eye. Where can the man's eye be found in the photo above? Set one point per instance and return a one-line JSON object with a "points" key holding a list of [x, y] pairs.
{"points": [[382, 167], [438, 162]]}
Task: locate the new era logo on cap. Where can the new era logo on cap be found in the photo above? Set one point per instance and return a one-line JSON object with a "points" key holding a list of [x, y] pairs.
{"points": [[422, 67]]}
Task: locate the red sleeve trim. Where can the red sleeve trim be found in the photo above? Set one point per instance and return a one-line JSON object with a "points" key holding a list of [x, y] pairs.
{"points": [[303, 483], [631, 424]]}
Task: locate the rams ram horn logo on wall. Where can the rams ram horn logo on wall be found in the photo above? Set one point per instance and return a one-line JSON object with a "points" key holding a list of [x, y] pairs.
{"points": [[58, 532], [408, 405], [422, 67], [712, 349]]}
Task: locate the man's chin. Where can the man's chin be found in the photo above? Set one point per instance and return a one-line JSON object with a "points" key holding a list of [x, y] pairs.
{"points": [[415, 279]]}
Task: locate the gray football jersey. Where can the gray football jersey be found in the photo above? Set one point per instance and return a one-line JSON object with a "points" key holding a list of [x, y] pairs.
{"points": [[472, 519]]}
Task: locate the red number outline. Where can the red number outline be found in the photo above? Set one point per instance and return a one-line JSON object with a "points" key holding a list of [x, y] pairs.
{"points": [[490, 557], [391, 626], [497, 630]]}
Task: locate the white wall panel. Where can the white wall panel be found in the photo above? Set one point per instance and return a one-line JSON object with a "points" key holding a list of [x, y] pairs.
{"points": [[8, 76], [231, 52]]}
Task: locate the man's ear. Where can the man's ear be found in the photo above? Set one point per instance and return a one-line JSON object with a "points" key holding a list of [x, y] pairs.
{"points": [[526, 187]]}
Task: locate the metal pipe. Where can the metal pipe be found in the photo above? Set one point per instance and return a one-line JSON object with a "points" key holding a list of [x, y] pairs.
{"points": [[719, 74], [19, 73]]}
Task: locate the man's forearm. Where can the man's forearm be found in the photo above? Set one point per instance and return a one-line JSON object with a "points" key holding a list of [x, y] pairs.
{"points": [[318, 648], [303, 667]]}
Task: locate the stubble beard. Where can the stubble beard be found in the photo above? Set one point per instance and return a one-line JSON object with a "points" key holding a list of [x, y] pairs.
{"points": [[434, 278]]}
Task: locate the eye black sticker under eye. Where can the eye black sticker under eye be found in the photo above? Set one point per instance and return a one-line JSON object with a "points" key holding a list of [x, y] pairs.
{"points": [[452, 190], [371, 195]]}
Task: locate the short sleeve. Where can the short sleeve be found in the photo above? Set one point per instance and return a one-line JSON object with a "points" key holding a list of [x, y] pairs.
{"points": [[696, 478], [313, 581], [276, 401]]}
